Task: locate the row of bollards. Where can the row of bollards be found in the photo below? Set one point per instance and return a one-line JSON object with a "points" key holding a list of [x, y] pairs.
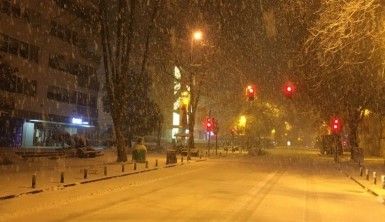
{"points": [[85, 173], [374, 176], [105, 172]]}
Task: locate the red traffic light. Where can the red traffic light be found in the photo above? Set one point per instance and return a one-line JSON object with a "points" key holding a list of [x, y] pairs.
{"points": [[251, 92], [289, 89], [209, 124], [336, 125]]}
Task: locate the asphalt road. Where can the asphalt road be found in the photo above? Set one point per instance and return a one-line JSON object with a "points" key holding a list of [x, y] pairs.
{"points": [[284, 185]]}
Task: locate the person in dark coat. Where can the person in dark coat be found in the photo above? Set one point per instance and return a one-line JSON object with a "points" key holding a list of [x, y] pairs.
{"points": [[139, 153]]}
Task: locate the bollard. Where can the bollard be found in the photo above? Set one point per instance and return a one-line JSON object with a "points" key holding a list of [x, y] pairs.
{"points": [[200, 156], [135, 166], [181, 159], [105, 170], [361, 171], [367, 174], [123, 168], [374, 177], [156, 163], [85, 175], [62, 177], [383, 181], [34, 181]]}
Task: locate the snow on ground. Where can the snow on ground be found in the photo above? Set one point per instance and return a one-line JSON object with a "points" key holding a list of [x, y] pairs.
{"points": [[17, 178], [284, 185]]}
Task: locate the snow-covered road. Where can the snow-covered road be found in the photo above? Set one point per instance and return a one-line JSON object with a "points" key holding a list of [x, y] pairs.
{"points": [[285, 185]]}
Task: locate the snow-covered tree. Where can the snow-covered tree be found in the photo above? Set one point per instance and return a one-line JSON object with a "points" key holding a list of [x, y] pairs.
{"points": [[344, 60], [126, 31]]}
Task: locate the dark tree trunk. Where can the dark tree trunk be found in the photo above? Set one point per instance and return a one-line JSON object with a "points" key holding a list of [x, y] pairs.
{"points": [[354, 120], [120, 143], [191, 125], [130, 137], [159, 134]]}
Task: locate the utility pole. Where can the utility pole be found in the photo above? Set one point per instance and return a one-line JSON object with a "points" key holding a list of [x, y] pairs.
{"points": [[216, 143], [209, 135], [196, 37]]}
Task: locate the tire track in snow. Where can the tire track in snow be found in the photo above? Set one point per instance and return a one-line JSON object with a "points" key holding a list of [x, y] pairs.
{"points": [[245, 207]]}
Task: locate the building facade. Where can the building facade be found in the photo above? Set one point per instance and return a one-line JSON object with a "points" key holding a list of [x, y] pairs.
{"points": [[54, 89]]}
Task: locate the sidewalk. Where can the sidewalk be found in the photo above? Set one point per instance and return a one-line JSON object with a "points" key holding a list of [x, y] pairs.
{"points": [[17, 178], [352, 170]]}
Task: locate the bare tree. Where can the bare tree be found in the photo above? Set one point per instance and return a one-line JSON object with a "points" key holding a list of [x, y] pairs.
{"points": [[126, 30], [344, 60]]}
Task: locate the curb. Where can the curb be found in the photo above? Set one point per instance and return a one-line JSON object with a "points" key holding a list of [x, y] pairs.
{"points": [[36, 191], [367, 189]]}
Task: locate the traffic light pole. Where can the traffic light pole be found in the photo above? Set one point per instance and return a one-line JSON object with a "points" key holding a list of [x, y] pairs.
{"points": [[209, 136], [191, 117], [216, 143]]}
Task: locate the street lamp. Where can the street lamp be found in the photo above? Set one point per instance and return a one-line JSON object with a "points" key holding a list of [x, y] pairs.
{"points": [[197, 36]]}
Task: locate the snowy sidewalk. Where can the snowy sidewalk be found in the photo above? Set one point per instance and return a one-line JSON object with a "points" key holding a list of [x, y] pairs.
{"points": [[17, 178], [370, 164]]}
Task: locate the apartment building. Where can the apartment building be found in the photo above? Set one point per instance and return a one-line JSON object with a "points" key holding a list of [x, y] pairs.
{"points": [[54, 49]]}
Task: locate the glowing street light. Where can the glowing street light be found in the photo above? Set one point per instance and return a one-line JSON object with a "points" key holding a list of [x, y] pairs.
{"points": [[197, 35], [242, 121]]}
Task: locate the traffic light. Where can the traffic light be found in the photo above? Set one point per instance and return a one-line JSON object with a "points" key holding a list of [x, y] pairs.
{"points": [[336, 125], [209, 124], [289, 89], [251, 92]]}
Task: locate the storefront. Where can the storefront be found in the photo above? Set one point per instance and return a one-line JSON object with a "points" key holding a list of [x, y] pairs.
{"points": [[42, 133]]}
